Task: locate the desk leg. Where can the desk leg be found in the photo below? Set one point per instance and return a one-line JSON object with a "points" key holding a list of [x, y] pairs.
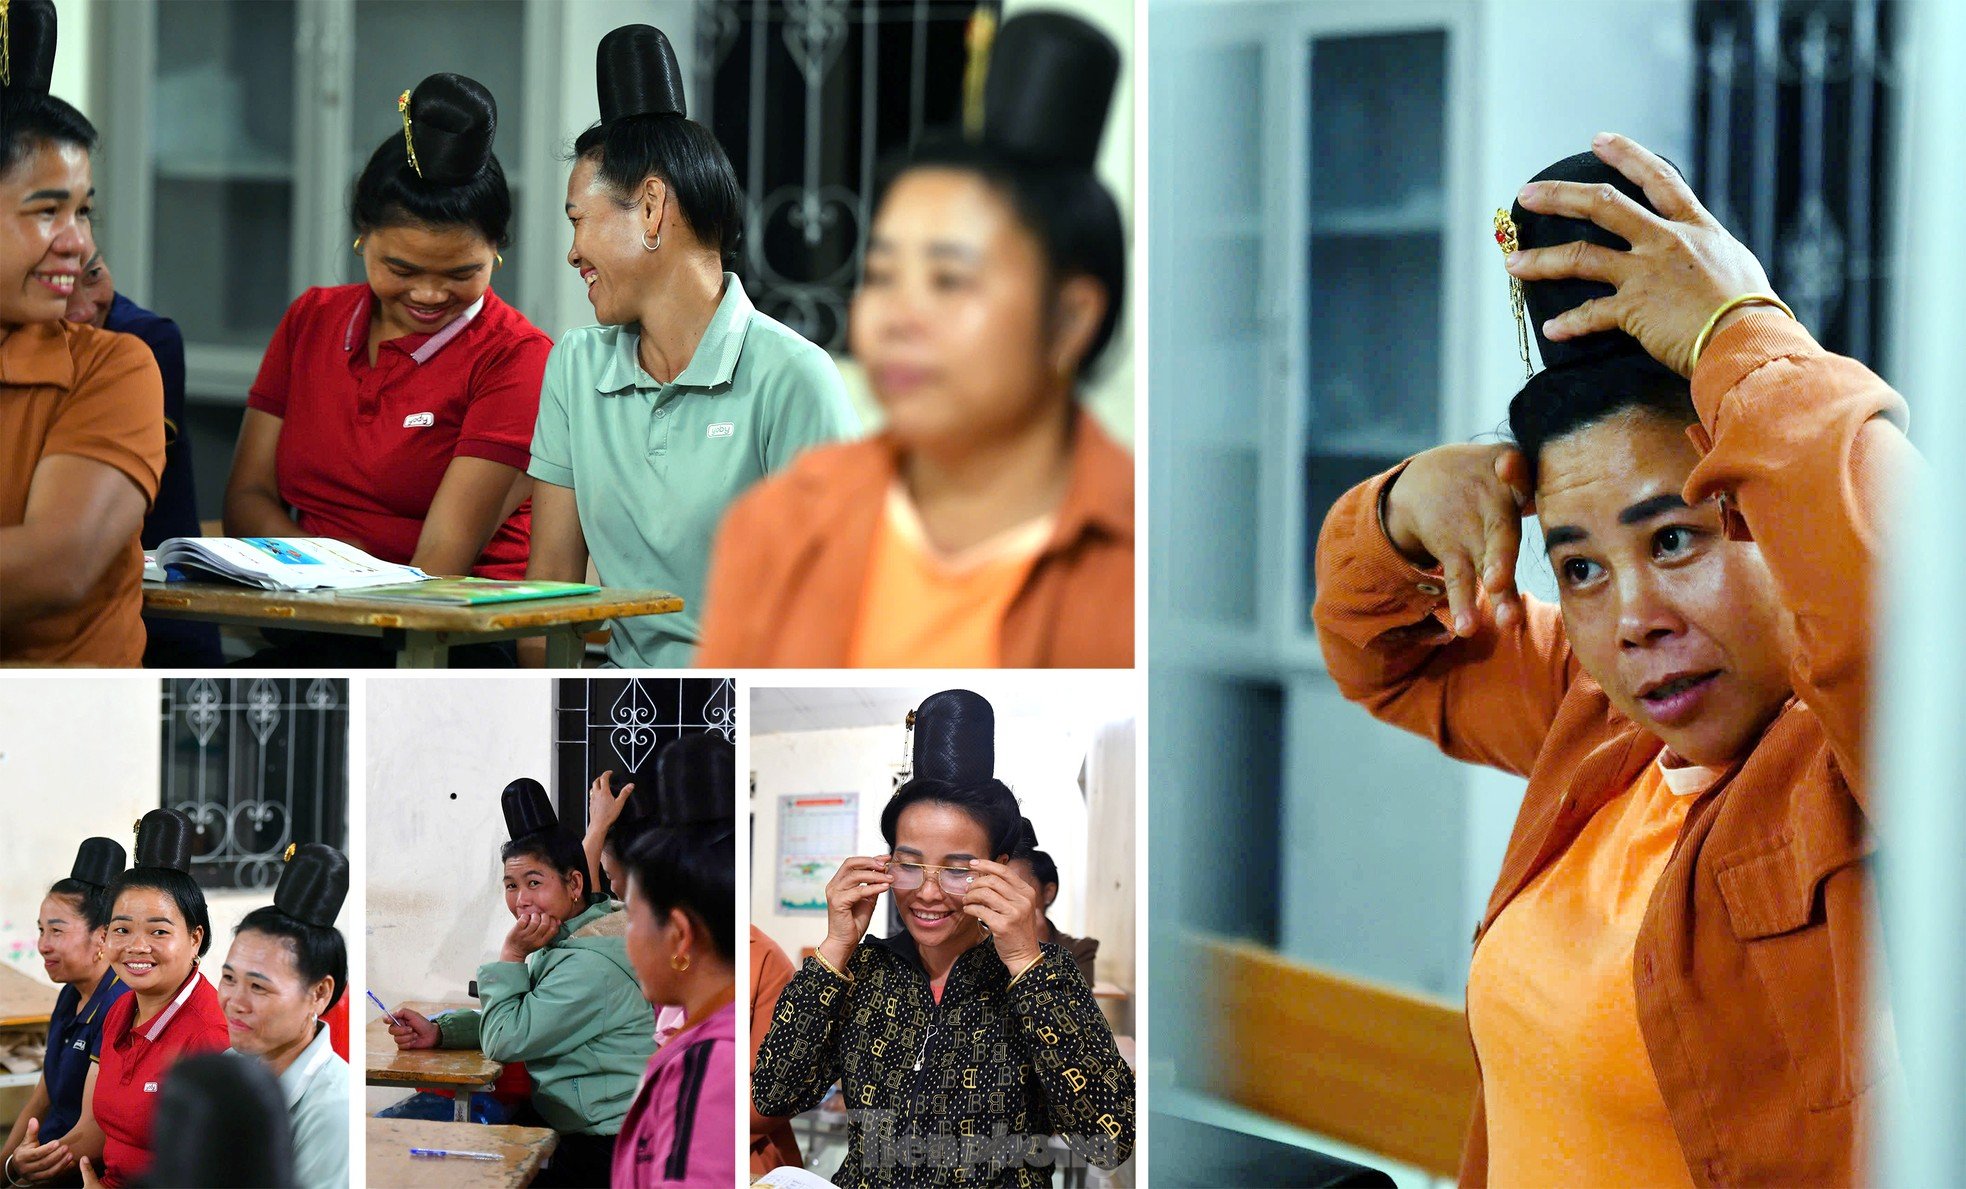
{"points": [[565, 648], [463, 1108], [424, 650]]}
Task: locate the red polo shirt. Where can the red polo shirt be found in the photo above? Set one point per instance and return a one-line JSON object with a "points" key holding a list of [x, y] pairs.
{"points": [[363, 448], [133, 1065]]}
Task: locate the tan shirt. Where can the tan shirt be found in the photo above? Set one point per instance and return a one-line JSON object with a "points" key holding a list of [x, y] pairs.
{"points": [[95, 394]]}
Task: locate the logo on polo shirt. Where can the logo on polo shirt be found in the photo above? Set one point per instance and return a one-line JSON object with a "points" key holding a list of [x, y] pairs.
{"points": [[150, 1087], [419, 420], [721, 429]]}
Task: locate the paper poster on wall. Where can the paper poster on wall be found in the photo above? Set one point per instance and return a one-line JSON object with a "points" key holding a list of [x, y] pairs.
{"points": [[816, 833]]}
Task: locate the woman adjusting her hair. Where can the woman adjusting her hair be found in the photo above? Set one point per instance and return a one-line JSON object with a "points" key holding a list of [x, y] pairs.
{"points": [[683, 395], [962, 1043], [1671, 973], [288, 966], [81, 410], [991, 522], [395, 415]]}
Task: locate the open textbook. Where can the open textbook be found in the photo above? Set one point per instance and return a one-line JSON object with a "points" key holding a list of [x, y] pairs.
{"points": [[275, 563]]}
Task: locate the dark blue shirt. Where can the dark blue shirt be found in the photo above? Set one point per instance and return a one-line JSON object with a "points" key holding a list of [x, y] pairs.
{"points": [[74, 1039], [174, 644]]}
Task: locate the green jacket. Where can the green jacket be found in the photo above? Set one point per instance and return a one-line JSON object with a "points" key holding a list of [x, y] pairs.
{"points": [[574, 1013]]}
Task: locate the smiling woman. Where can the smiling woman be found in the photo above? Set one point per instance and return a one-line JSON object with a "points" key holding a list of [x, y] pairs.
{"points": [[81, 417], [396, 415]]}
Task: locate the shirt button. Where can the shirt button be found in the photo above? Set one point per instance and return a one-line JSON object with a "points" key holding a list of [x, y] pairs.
{"points": [[662, 412], [1428, 588]]}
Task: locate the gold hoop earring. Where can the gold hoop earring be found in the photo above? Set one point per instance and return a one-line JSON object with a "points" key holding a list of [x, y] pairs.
{"points": [[358, 243], [650, 247], [498, 261], [679, 962]]}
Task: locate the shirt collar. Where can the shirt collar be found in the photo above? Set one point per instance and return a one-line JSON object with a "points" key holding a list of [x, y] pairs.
{"points": [[714, 362], [293, 1082], [38, 354], [164, 1017], [358, 324]]}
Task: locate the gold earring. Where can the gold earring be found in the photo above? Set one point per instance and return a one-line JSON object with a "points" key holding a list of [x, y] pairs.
{"points": [[498, 261], [679, 962], [358, 243]]}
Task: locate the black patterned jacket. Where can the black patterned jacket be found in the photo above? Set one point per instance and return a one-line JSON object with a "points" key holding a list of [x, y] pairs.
{"points": [[965, 1092]]}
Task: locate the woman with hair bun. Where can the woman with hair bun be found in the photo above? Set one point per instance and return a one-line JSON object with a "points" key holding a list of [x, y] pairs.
{"points": [[159, 928], [74, 934], [991, 522], [683, 395], [962, 1043], [82, 425], [288, 966], [396, 415]]}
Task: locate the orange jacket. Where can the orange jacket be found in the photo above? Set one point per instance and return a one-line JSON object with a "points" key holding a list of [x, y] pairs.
{"points": [[1749, 970], [773, 1142], [792, 558]]}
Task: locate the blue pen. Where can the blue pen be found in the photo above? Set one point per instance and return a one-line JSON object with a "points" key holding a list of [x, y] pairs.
{"points": [[386, 1013], [444, 1152]]}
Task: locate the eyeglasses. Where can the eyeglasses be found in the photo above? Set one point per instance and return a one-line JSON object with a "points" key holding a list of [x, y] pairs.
{"points": [[909, 876]]}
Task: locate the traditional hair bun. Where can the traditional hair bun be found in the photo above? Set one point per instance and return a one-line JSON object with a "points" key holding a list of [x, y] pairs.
{"points": [[955, 738], [528, 810], [164, 840], [30, 46], [636, 74], [313, 884], [696, 781], [98, 861], [452, 121], [1049, 89]]}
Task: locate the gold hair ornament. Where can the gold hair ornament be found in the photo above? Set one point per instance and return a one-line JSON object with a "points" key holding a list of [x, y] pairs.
{"points": [[1505, 236], [288, 855], [978, 38], [6, 46], [409, 143]]}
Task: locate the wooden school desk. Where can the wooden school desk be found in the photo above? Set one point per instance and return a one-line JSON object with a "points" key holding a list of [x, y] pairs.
{"points": [[424, 634], [461, 1070], [521, 1151]]}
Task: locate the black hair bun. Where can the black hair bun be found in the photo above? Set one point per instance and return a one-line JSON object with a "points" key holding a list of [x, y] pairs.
{"points": [[452, 120], [164, 840], [696, 781], [98, 861], [30, 46], [313, 885], [1049, 89], [636, 74], [1546, 299], [955, 738], [528, 810]]}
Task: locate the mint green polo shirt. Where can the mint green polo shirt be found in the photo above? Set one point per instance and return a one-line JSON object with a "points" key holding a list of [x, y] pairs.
{"points": [[653, 466]]}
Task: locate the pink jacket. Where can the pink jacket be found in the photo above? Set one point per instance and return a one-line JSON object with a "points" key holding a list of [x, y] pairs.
{"points": [[682, 1128]]}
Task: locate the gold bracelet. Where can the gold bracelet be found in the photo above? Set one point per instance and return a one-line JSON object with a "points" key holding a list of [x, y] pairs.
{"points": [[837, 972], [1745, 299], [1027, 968]]}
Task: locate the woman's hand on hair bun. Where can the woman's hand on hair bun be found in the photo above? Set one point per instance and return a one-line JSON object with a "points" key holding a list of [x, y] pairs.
{"points": [[1460, 508], [850, 897], [604, 805], [1008, 906], [1682, 266]]}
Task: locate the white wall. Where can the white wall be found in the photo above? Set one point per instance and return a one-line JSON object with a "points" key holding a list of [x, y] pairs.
{"points": [[436, 906], [1040, 759], [79, 757]]}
